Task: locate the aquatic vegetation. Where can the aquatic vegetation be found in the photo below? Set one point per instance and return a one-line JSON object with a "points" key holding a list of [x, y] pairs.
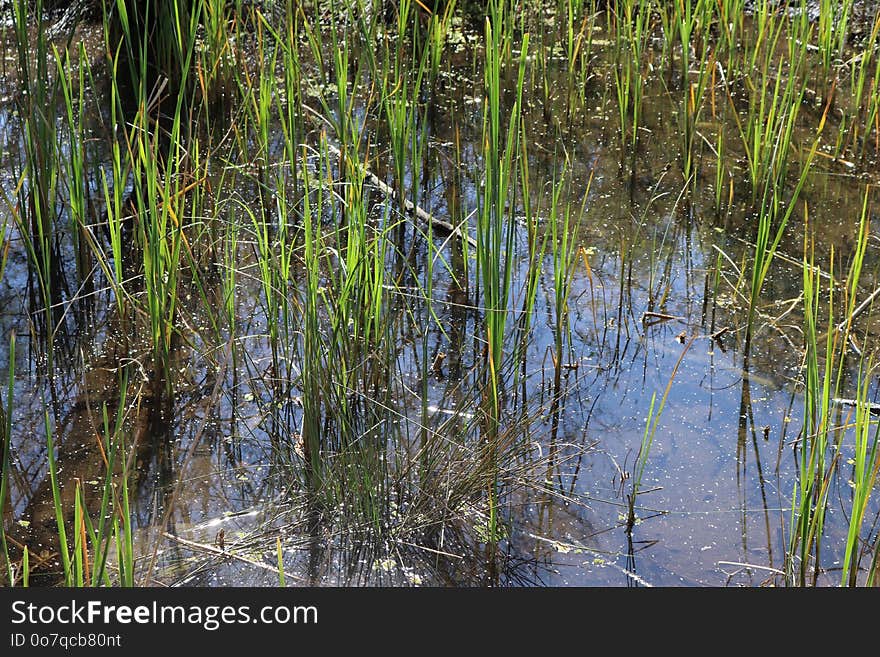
{"points": [[398, 283], [823, 434]]}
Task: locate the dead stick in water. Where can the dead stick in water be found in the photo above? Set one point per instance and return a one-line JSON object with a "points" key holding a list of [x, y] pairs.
{"points": [[408, 205], [858, 311], [871, 407], [658, 317]]}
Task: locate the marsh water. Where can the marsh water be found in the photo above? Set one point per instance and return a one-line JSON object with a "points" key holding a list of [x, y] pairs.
{"points": [[655, 309]]}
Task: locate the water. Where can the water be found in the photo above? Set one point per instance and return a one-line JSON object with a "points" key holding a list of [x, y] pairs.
{"points": [[657, 313]]}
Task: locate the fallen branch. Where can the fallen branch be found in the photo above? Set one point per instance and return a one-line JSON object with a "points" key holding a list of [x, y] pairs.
{"points": [[858, 311], [427, 218]]}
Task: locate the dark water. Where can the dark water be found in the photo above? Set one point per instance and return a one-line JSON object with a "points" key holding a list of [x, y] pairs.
{"points": [[719, 475]]}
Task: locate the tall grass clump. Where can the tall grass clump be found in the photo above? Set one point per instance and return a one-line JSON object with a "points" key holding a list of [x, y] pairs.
{"points": [[579, 27], [820, 444], [774, 104], [811, 491], [865, 466], [113, 182], [347, 350], [273, 218], [402, 72], [632, 23], [36, 207], [859, 116], [773, 216], [92, 535], [496, 227], [158, 151], [312, 356], [831, 33], [216, 63], [75, 167], [692, 22], [564, 248], [730, 14]]}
